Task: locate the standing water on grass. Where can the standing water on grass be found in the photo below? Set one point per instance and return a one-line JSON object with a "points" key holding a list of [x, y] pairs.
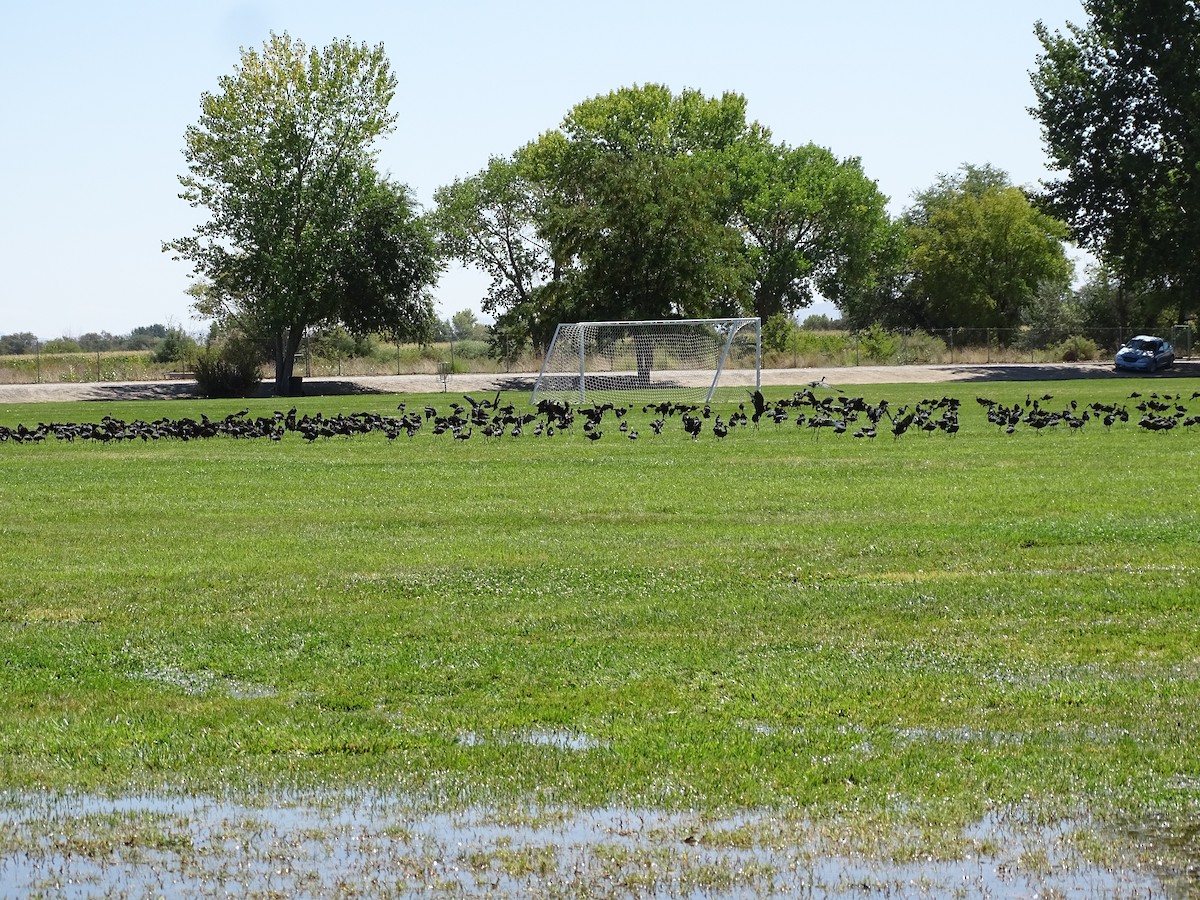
{"points": [[81, 846]]}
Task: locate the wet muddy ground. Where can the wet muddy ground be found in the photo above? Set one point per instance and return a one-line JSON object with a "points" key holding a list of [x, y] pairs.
{"points": [[85, 846]]}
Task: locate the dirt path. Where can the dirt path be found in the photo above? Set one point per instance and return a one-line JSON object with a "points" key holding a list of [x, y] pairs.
{"points": [[422, 384]]}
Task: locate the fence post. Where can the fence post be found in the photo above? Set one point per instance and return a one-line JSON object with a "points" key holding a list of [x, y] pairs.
{"points": [[38, 346]]}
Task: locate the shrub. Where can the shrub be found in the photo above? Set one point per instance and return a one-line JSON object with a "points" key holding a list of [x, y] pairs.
{"points": [[822, 343], [61, 345], [778, 332], [175, 346], [471, 349], [918, 347], [1077, 348], [336, 343], [231, 369], [18, 344], [878, 344], [821, 322]]}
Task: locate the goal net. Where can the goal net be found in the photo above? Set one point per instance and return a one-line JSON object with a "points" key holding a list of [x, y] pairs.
{"points": [[684, 360]]}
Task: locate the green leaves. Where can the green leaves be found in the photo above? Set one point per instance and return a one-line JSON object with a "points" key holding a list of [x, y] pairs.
{"points": [[813, 224], [648, 240], [1120, 119], [638, 204], [650, 204], [491, 220], [981, 251], [302, 230]]}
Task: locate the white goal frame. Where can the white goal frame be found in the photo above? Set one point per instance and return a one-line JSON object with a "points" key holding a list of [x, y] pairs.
{"points": [[618, 361]]}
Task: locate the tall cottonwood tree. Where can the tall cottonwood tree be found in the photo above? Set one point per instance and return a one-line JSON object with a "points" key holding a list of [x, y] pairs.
{"points": [[302, 229], [1118, 103], [491, 220], [647, 204], [638, 211], [813, 225]]}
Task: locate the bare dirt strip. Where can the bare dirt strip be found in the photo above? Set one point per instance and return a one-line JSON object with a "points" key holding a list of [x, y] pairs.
{"points": [[428, 384]]}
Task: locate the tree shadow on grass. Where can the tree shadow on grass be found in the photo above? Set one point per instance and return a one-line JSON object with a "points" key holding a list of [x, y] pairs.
{"points": [[335, 387], [174, 390], [1062, 372]]}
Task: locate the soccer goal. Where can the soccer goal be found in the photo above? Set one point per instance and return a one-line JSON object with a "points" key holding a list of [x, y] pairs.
{"points": [[684, 360]]}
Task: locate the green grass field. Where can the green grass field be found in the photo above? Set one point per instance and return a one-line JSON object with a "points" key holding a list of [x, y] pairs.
{"points": [[924, 629]]}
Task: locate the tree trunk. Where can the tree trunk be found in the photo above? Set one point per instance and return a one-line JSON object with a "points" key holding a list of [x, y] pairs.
{"points": [[643, 348], [287, 343]]}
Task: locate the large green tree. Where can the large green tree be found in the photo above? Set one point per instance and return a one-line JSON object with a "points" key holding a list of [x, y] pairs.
{"points": [[1119, 107], [981, 251], [813, 225], [639, 205], [491, 220], [647, 204], [302, 230]]}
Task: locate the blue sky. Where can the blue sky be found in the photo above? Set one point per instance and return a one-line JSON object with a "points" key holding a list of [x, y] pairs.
{"points": [[96, 98]]}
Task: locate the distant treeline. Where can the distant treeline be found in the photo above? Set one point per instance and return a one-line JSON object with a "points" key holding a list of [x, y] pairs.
{"points": [[165, 342]]}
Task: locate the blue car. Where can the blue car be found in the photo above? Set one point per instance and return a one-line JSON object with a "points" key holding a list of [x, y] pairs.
{"points": [[1145, 353]]}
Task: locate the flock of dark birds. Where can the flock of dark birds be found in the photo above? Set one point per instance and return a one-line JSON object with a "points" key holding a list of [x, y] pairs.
{"points": [[830, 411]]}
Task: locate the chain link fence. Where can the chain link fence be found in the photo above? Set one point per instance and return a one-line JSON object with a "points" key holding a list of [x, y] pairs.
{"points": [[804, 348], [958, 346]]}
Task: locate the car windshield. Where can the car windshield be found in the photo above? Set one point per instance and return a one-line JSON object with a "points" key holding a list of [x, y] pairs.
{"points": [[1143, 345]]}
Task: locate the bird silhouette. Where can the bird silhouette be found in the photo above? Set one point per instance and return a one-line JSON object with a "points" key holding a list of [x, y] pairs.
{"points": [[760, 405]]}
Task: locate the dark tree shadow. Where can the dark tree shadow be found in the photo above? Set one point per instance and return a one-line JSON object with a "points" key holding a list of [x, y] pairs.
{"points": [[182, 390], [1062, 372]]}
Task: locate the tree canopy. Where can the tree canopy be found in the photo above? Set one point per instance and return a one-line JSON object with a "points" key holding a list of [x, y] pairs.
{"points": [[981, 251], [302, 229], [975, 252], [1120, 117], [638, 202], [651, 204], [812, 225], [491, 220]]}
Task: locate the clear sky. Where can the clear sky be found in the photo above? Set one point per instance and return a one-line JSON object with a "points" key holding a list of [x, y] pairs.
{"points": [[96, 97]]}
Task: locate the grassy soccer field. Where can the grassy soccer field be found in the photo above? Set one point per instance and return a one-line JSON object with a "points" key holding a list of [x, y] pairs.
{"points": [[927, 628]]}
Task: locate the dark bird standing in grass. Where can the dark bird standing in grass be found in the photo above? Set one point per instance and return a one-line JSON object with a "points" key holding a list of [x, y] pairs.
{"points": [[760, 405]]}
